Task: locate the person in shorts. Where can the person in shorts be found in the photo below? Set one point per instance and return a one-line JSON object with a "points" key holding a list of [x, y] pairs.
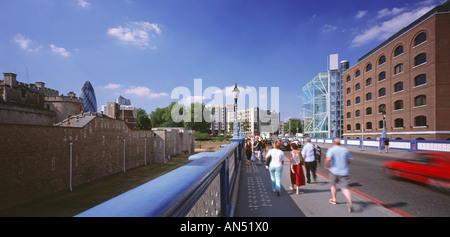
{"points": [[337, 161]]}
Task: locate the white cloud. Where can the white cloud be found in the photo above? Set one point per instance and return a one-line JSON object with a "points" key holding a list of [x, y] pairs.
{"points": [[60, 51], [398, 18], [26, 43], [112, 86], [136, 33], [143, 91], [328, 28], [360, 14], [83, 3]]}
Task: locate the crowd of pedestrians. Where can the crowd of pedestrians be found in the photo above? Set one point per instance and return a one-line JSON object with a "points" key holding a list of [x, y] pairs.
{"points": [[336, 162]]}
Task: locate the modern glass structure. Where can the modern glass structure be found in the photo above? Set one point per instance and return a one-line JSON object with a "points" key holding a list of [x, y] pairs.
{"points": [[322, 106], [315, 106], [88, 96]]}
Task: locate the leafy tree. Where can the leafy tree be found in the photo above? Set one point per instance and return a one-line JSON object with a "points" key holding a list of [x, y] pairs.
{"points": [[162, 117], [197, 113], [294, 124], [143, 121]]}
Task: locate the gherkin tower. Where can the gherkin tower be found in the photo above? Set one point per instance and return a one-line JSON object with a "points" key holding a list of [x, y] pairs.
{"points": [[88, 96]]}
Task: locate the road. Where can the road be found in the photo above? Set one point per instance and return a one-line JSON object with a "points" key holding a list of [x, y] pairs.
{"points": [[406, 197]]}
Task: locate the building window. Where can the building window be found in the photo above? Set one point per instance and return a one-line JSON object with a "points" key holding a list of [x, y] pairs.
{"points": [[398, 104], [358, 73], [382, 108], [398, 51], [420, 59], [348, 78], [357, 113], [420, 121], [381, 92], [369, 96], [369, 81], [349, 102], [380, 124], [422, 37], [349, 115], [369, 67], [358, 126], [357, 87], [420, 80], [398, 68], [369, 125], [398, 86], [398, 123], [349, 127], [349, 90], [420, 100], [358, 100], [382, 60], [369, 111], [382, 76]]}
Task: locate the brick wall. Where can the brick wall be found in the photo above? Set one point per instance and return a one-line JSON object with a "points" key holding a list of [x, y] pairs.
{"points": [[35, 160]]}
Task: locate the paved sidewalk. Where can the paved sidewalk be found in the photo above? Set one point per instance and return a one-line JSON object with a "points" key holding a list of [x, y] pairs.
{"points": [[256, 198]]}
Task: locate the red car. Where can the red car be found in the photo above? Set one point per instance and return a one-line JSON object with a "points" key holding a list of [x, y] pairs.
{"points": [[432, 168]]}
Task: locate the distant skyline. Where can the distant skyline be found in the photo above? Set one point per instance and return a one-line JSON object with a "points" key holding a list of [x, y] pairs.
{"points": [[144, 49]]}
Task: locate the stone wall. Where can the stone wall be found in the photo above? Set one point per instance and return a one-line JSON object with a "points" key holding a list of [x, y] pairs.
{"points": [[35, 161]]}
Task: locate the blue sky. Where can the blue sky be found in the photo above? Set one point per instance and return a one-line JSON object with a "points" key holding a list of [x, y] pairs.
{"points": [[143, 49]]}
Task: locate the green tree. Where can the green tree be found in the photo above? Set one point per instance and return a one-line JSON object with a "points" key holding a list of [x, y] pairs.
{"points": [[143, 121], [294, 124], [162, 117], [197, 113]]}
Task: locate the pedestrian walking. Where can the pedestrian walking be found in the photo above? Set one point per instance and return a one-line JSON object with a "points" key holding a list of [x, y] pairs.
{"points": [[337, 161], [257, 150], [296, 171], [308, 154], [386, 145], [248, 150], [263, 149], [275, 166]]}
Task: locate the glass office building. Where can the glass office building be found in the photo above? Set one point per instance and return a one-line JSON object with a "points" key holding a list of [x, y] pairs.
{"points": [[88, 96], [322, 106]]}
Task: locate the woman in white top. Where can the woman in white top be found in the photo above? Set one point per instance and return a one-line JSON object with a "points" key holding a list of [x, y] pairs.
{"points": [[276, 166], [297, 175]]}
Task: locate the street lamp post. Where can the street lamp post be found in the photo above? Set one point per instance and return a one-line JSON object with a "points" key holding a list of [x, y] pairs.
{"points": [[383, 133], [236, 125]]}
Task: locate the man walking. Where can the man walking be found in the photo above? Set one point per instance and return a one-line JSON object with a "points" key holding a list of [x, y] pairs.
{"points": [[257, 149], [308, 155], [337, 161]]}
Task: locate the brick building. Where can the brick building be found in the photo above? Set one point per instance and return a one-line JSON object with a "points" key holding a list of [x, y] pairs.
{"points": [[406, 78]]}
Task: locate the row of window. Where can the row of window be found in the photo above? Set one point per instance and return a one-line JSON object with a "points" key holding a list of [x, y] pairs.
{"points": [[418, 81], [418, 60], [419, 121], [420, 100]]}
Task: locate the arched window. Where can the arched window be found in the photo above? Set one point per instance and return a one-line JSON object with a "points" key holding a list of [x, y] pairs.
{"points": [[358, 100], [420, 80], [398, 86], [349, 102], [349, 127], [382, 76], [369, 125], [398, 51], [358, 73], [369, 96], [369, 81], [358, 126], [382, 108], [357, 113], [381, 92], [369, 111], [398, 68], [349, 90], [398, 104], [348, 78], [381, 60], [349, 115], [422, 37], [420, 59], [380, 124], [398, 123], [420, 121], [368, 67], [420, 100], [357, 86]]}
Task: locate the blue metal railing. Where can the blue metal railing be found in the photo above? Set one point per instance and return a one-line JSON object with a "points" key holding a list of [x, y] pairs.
{"points": [[176, 193]]}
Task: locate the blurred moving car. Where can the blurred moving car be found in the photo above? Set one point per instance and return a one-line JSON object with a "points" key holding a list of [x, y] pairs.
{"points": [[285, 145], [432, 168]]}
